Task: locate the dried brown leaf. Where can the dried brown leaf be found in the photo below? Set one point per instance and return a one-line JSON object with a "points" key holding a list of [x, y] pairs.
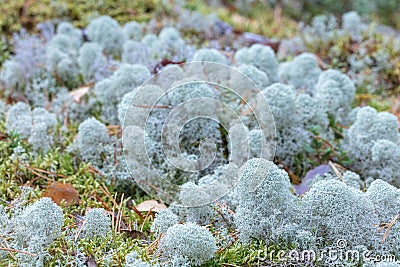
{"points": [[151, 205], [58, 192], [135, 234]]}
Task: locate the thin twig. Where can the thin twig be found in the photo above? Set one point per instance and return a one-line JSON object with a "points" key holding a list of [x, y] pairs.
{"points": [[47, 172], [145, 218], [93, 170], [219, 210], [145, 106], [6, 243], [153, 245], [103, 203], [388, 227], [137, 211], [79, 231], [220, 250], [119, 215], [108, 194], [335, 170], [37, 173], [19, 251], [113, 226], [294, 179]]}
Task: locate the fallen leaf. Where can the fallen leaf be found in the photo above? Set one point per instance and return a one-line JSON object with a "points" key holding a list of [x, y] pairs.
{"points": [[135, 234], [77, 94], [58, 192], [151, 205]]}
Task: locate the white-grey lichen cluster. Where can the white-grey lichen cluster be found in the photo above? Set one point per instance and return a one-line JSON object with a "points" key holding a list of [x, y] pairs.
{"points": [[61, 53], [34, 228], [151, 48], [96, 61], [91, 61], [110, 91], [261, 57], [302, 109], [332, 210], [373, 145], [313, 116], [336, 92], [19, 119], [262, 182], [331, 205], [164, 220], [210, 54], [38, 126], [91, 142], [257, 76], [96, 224], [302, 72], [192, 243], [291, 135], [385, 199], [107, 33]]}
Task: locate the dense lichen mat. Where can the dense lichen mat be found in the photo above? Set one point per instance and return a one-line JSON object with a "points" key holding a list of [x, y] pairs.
{"points": [[162, 134]]}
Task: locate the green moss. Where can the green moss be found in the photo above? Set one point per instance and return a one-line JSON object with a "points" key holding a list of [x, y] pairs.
{"points": [[15, 15]]}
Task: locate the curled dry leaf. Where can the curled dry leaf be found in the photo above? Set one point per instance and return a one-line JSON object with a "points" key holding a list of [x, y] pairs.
{"points": [[58, 192], [134, 234], [77, 94], [151, 205]]}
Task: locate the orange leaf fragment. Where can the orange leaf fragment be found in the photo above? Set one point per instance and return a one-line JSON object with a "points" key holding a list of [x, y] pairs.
{"points": [[58, 192]]}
